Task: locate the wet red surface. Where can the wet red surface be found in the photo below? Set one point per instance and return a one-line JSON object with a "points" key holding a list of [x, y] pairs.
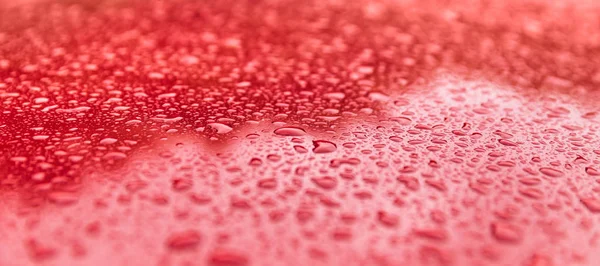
{"points": [[299, 133]]}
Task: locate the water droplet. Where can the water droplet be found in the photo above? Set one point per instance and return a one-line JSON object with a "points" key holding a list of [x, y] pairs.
{"points": [[184, 240], [551, 172], [592, 171], [108, 141], [290, 131], [506, 232], [507, 142], [387, 219], [220, 128], [323, 146], [62, 197], [224, 257], [325, 182], [592, 204]]}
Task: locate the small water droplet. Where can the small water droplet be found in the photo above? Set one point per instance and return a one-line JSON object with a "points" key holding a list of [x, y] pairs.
{"points": [[290, 131], [184, 240], [551, 172], [506, 232], [323, 146]]}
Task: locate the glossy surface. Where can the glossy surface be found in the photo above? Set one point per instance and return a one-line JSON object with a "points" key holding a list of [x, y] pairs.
{"points": [[299, 133]]}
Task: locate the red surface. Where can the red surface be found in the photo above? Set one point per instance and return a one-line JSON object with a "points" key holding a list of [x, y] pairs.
{"points": [[299, 133]]}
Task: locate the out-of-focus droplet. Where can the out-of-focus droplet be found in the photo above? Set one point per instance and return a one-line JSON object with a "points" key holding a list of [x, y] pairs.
{"points": [[184, 240]]}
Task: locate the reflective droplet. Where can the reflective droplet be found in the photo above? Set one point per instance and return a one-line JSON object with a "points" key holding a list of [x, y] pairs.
{"points": [[220, 128], [290, 131], [323, 146]]}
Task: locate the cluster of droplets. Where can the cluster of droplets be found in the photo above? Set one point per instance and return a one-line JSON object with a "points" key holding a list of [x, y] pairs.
{"points": [[242, 134], [65, 91], [448, 173]]}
